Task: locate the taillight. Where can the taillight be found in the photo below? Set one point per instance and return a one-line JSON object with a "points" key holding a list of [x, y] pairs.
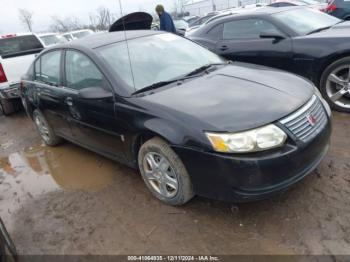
{"points": [[3, 77], [331, 7]]}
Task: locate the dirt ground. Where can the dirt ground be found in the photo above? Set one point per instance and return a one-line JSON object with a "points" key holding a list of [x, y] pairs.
{"points": [[67, 200]]}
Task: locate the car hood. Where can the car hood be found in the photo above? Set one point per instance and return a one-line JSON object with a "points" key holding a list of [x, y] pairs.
{"points": [[345, 24], [234, 98], [341, 30], [133, 21]]}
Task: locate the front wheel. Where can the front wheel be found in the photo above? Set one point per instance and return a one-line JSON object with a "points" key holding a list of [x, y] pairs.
{"points": [[164, 173], [335, 85]]}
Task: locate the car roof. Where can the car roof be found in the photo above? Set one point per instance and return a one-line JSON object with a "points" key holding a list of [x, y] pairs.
{"points": [[101, 39], [266, 10], [16, 35], [77, 31]]}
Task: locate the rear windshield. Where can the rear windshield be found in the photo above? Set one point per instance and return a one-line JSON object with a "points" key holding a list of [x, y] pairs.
{"points": [[20, 45]]}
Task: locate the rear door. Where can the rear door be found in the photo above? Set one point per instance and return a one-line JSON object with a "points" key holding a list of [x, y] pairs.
{"points": [[93, 121], [241, 41], [49, 93]]}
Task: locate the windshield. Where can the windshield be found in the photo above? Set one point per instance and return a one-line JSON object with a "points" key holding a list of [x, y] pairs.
{"points": [[156, 58], [52, 40], [305, 20], [19, 44]]}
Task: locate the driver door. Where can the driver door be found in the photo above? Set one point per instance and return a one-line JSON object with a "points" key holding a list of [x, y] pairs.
{"points": [[93, 121], [241, 41]]}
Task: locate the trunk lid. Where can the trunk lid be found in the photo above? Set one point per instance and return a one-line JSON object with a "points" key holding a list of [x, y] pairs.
{"points": [[133, 21]]}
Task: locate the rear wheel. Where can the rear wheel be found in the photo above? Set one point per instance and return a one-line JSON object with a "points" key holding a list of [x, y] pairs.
{"points": [[164, 173], [46, 132], [6, 107], [335, 85]]}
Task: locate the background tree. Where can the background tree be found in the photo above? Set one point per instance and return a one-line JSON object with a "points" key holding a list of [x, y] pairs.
{"points": [[65, 24], [26, 18], [102, 19]]}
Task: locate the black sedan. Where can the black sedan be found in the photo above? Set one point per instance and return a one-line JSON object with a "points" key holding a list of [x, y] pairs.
{"points": [[191, 122], [300, 40]]}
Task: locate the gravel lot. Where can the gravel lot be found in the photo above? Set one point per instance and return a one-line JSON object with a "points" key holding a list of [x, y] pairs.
{"points": [[67, 200]]}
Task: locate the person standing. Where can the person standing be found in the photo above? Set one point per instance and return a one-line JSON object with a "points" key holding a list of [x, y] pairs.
{"points": [[166, 22]]}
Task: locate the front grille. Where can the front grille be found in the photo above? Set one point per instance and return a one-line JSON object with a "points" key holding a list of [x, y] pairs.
{"points": [[307, 122]]}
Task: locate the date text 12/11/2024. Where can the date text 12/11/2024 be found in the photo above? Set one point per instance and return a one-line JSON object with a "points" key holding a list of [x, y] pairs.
{"points": [[173, 258]]}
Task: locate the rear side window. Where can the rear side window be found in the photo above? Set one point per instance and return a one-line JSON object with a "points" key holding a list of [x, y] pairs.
{"points": [[50, 68], [247, 29], [15, 46], [216, 32], [81, 72]]}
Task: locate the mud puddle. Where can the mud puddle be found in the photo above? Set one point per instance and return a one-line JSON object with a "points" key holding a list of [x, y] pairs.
{"points": [[39, 170]]}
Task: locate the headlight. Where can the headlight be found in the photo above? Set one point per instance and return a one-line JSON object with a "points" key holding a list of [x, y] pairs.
{"points": [[259, 139]]}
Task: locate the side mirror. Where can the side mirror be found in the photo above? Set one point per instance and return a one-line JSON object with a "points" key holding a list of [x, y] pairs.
{"points": [[272, 34], [95, 93]]}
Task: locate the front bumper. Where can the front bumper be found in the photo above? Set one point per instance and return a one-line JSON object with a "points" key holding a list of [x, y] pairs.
{"points": [[243, 178]]}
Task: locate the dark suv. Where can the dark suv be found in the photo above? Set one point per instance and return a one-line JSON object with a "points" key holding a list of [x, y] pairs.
{"points": [[339, 8]]}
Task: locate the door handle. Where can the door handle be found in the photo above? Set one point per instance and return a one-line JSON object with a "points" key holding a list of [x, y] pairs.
{"points": [[223, 48], [69, 101]]}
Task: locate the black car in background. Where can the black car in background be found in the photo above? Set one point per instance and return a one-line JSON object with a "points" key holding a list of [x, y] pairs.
{"points": [[300, 40], [339, 8], [191, 122]]}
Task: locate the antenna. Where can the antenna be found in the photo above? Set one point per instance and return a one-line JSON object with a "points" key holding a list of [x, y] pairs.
{"points": [[127, 44]]}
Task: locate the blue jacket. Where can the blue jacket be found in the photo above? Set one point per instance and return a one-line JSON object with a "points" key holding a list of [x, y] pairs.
{"points": [[167, 23]]}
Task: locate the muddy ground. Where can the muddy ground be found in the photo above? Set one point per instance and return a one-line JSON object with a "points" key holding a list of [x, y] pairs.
{"points": [[67, 200]]}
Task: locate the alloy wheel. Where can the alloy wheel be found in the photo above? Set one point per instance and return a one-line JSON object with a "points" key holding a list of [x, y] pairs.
{"points": [[338, 86], [160, 175], [43, 129]]}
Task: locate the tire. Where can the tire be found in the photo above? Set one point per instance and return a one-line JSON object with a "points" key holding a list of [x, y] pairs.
{"points": [[45, 130], [6, 107], [168, 171], [3, 254], [7, 247], [330, 88]]}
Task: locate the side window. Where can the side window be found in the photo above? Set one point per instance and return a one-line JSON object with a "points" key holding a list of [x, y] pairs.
{"points": [[50, 68], [81, 72], [247, 29], [216, 32]]}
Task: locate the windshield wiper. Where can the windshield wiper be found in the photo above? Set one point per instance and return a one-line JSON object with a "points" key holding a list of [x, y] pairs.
{"points": [[318, 30], [203, 68], [154, 86], [192, 74]]}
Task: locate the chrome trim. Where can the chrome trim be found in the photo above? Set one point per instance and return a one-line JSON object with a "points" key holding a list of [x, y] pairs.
{"points": [[301, 111], [299, 125]]}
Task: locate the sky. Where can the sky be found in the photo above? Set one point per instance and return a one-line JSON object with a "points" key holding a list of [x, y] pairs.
{"points": [[45, 9]]}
